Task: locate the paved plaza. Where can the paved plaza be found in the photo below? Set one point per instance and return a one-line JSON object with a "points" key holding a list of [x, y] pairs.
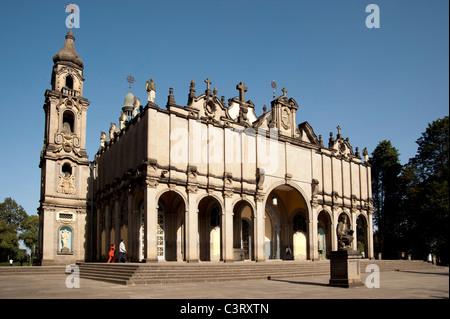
{"points": [[430, 283]]}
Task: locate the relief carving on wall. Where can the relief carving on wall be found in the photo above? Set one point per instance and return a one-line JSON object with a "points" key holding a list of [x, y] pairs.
{"points": [[67, 141], [66, 184], [286, 118]]}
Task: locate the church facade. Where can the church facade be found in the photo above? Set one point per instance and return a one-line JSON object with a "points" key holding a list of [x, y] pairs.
{"points": [[207, 181]]}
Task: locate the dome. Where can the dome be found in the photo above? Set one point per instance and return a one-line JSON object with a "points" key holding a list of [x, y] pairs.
{"points": [[128, 102], [68, 52]]}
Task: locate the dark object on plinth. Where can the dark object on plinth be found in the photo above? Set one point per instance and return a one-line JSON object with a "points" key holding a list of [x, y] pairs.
{"points": [[345, 268]]}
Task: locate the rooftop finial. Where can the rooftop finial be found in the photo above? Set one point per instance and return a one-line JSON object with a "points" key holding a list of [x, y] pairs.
{"points": [[130, 80], [274, 86]]}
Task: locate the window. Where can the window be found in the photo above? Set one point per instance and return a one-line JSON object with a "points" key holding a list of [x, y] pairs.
{"points": [[66, 169], [68, 121], [69, 82]]}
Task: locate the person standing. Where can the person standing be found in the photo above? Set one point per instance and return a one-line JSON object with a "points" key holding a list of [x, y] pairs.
{"points": [[122, 251]]}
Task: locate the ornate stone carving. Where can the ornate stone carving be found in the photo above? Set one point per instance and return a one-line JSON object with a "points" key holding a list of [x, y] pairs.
{"points": [[150, 87], [314, 187], [285, 118], [192, 174], [66, 184], [259, 197], [65, 240], [112, 130], [102, 139], [67, 141], [344, 233], [228, 180], [260, 176]]}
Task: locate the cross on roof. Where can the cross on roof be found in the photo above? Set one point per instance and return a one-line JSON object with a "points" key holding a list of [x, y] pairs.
{"points": [[242, 89], [208, 82], [339, 130], [284, 91]]}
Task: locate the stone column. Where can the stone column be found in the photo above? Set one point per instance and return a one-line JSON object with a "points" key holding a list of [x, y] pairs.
{"points": [[107, 242], [278, 247], [117, 226], [370, 235], [191, 228], [313, 249], [131, 226], [99, 234], [260, 229], [334, 222], [151, 222], [354, 228], [227, 230]]}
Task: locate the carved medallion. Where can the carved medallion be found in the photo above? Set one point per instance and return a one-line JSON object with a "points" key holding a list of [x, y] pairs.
{"points": [[286, 118]]}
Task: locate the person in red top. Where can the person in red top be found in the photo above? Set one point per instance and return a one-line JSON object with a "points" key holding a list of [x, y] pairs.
{"points": [[111, 253]]}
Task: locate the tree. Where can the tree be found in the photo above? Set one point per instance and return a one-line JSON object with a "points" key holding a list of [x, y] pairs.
{"points": [[427, 176], [30, 232], [11, 218], [387, 195]]}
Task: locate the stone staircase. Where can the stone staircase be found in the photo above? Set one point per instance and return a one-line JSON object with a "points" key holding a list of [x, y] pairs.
{"points": [[32, 270], [166, 273]]}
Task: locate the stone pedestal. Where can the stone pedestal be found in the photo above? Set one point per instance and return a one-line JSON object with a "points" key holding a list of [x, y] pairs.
{"points": [[345, 269]]}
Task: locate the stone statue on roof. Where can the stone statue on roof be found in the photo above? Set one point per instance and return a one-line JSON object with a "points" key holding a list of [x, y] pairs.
{"points": [[151, 90]]}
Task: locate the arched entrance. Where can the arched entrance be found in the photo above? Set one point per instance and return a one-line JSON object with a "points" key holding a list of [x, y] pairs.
{"points": [[170, 231], [324, 234], [287, 224], [209, 229], [243, 231], [361, 235]]}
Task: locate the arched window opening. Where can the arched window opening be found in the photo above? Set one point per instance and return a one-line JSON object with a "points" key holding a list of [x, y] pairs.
{"points": [[66, 169], [68, 122], [69, 82]]}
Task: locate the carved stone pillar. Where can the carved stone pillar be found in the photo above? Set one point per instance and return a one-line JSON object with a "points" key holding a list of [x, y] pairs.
{"points": [[151, 222], [130, 226], [227, 230], [191, 227], [107, 242], [116, 225], [370, 235], [260, 228], [99, 234]]}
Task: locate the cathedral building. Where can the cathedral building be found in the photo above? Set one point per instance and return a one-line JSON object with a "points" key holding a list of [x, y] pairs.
{"points": [[207, 181]]}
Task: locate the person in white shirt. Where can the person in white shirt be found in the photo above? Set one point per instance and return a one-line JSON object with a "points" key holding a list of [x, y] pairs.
{"points": [[122, 251]]}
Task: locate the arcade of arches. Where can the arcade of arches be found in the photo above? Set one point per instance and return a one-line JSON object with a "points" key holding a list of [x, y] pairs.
{"points": [[292, 230]]}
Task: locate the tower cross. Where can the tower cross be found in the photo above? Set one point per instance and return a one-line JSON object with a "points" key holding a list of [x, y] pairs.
{"points": [[242, 89], [284, 91]]}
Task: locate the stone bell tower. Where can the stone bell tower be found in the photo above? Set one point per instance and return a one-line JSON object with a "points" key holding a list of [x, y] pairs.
{"points": [[65, 171]]}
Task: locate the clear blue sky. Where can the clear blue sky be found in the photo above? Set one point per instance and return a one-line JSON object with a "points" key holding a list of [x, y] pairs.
{"points": [[385, 83]]}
